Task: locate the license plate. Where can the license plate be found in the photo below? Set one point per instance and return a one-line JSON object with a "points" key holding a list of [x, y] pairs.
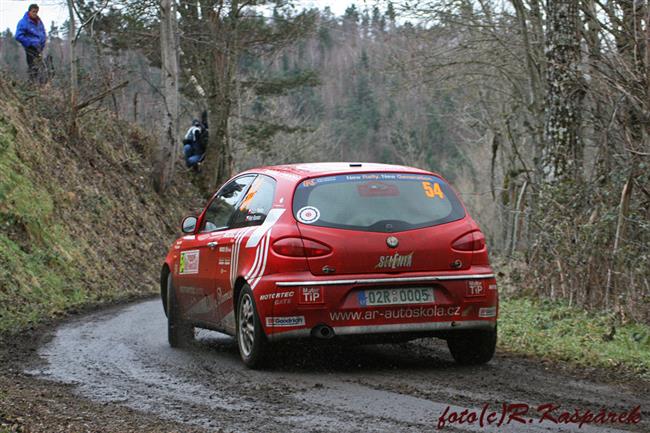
{"points": [[412, 295]]}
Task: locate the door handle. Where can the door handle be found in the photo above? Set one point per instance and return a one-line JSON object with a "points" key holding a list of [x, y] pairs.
{"points": [[212, 245]]}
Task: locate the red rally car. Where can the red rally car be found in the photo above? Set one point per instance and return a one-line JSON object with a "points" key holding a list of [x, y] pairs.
{"points": [[333, 250]]}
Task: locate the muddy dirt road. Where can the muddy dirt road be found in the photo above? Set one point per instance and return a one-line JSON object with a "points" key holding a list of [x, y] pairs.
{"points": [[121, 357]]}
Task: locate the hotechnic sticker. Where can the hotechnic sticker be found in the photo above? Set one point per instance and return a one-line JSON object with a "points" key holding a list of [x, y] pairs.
{"points": [[308, 215], [276, 295], [285, 321], [189, 262]]}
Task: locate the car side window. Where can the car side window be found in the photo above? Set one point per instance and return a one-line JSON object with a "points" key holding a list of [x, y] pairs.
{"points": [[253, 210], [224, 204]]}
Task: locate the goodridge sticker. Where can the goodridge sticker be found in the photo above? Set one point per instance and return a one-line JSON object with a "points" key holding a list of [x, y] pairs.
{"points": [[285, 321], [189, 262]]}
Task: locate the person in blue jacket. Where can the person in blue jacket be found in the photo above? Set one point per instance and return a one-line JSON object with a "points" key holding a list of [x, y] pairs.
{"points": [[31, 34]]}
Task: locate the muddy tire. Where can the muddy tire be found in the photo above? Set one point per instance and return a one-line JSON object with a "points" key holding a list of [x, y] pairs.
{"points": [[473, 347], [179, 332], [251, 340]]}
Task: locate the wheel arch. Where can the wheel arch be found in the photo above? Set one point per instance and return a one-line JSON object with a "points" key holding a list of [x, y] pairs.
{"points": [[165, 272], [240, 282]]}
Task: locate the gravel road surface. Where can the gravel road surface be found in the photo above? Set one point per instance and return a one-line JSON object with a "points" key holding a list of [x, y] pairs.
{"points": [[121, 356]]}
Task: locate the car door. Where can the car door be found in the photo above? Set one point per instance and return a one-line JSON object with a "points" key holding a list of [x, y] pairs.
{"points": [[199, 256], [251, 212], [215, 246]]}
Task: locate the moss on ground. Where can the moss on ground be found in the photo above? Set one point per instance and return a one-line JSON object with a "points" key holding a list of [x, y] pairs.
{"points": [[556, 331]]}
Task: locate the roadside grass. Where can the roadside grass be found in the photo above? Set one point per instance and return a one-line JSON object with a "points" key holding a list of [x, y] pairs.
{"points": [[80, 223], [555, 331], [39, 273]]}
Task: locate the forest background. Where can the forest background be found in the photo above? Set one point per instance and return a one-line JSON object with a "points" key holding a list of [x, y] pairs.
{"points": [[538, 112]]}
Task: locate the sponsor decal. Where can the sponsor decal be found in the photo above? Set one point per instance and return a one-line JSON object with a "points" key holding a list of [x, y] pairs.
{"points": [[492, 287], [224, 262], [395, 261], [475, 288], [308, 215], [250, 218], [309, 182], [189, 262], [285, 301], [413, 177], [285, 321], [276, 295], [225, 249], [311, 295], [396, 313], [487, 312]]}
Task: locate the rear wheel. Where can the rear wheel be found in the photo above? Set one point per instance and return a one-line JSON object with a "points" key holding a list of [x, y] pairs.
{"points": [[179, 332], [473, 347], [251, 340]]}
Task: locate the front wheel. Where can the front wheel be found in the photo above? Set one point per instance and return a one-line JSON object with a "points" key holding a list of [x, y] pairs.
{"points": [[179, 332], [251, 339], [473, 347]]}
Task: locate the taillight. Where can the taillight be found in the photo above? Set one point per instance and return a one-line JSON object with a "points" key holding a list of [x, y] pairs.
{"points": [[474, 241], [297, 247]]}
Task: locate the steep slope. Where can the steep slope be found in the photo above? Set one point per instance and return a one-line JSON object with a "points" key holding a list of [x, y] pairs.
{"points": [[80, 222]]}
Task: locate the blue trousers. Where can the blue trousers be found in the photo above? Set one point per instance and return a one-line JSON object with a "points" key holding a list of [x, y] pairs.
{"points": [[191, 156]]}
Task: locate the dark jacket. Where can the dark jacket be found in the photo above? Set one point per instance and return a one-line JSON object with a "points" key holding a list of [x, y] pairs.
{"points": [[30, 33]]}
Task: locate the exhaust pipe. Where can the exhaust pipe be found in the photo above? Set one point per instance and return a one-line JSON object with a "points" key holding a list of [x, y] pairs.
{"points": [[324, 332]]}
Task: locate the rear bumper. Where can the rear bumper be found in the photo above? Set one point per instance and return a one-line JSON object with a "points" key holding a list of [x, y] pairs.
{"points": [[286, 313], [394, 328]]}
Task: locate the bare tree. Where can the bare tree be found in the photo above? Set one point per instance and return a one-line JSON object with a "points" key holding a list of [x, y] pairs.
{"points": [[74, 86], [168, 144], [564, 91]]}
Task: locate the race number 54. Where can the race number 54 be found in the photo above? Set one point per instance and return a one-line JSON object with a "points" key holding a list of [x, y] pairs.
{"points": [[432, 191]]}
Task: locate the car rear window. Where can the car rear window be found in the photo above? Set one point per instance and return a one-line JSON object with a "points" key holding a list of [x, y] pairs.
{"points": [[376, 202]]}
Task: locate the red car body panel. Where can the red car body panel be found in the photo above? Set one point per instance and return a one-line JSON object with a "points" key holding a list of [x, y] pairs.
{"points": [[296, 295]]}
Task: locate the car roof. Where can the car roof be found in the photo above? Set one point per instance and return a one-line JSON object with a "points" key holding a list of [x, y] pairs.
{"points": [[306, 170]]}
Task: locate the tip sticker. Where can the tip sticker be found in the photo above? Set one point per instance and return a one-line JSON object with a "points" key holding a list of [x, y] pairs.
{"points": [[308, 215]]}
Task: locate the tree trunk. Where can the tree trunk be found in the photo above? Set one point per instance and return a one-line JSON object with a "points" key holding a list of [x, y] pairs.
{"points": [[169, 142], [74, 87], [223, 63], [564, 94]]}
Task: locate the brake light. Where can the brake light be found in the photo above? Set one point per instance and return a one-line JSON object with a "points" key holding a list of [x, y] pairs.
{"points": [[474, 241], [297, 247]]}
